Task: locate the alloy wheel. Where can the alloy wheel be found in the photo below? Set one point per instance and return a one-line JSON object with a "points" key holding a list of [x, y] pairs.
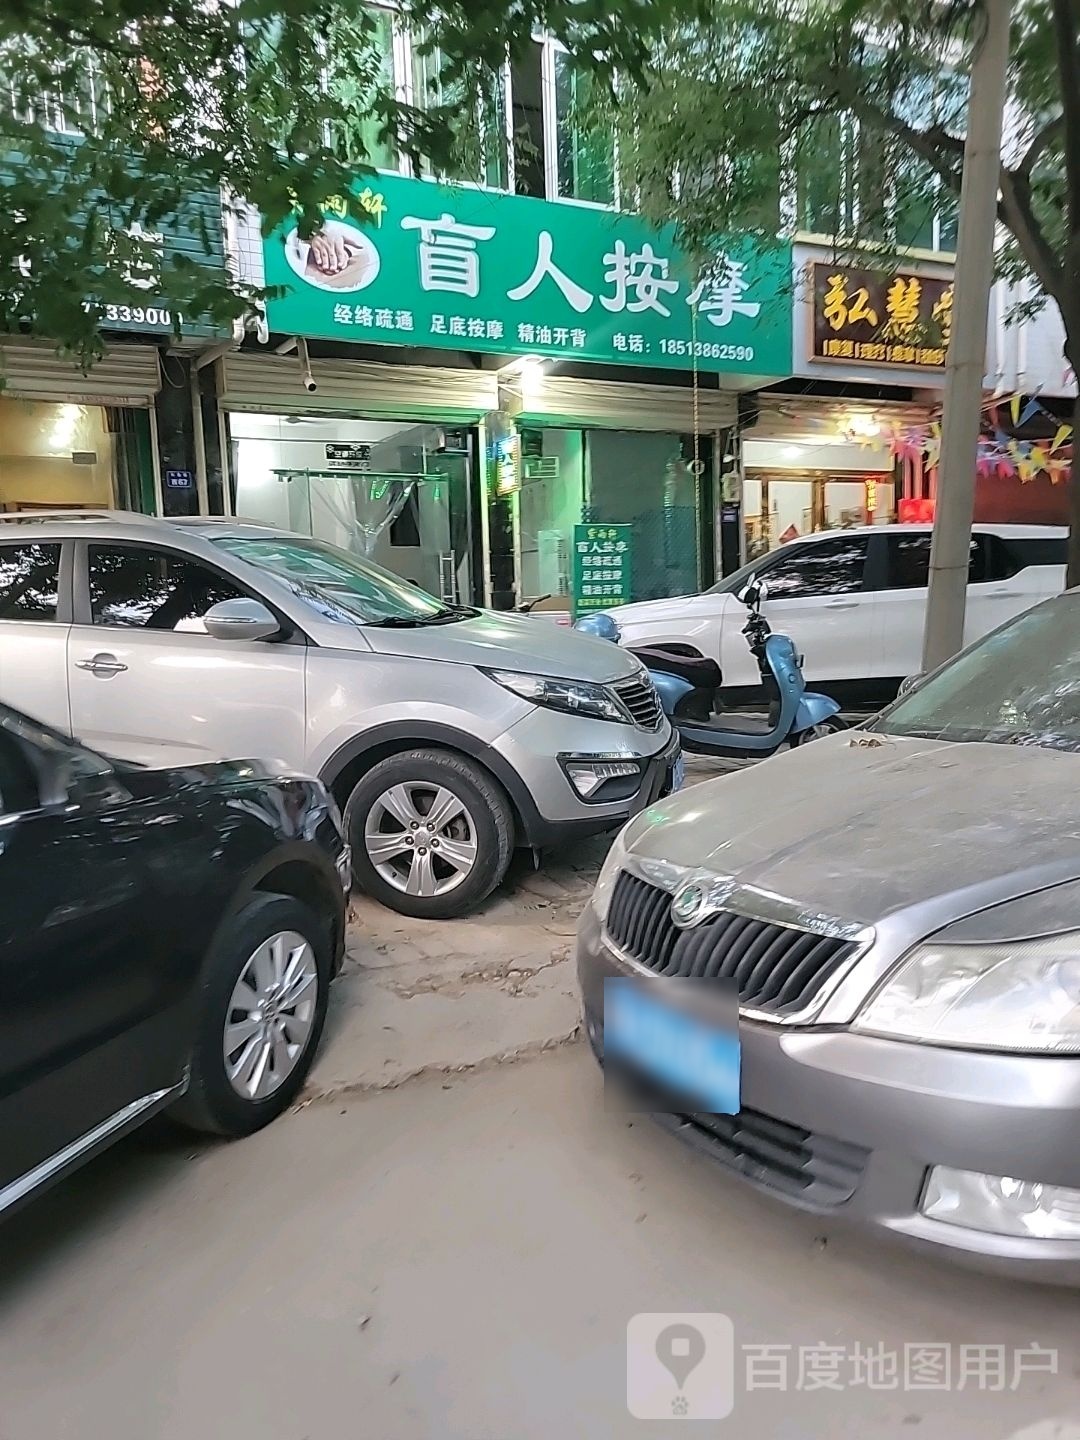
{"points": [[421, 838], [269, 1019]]}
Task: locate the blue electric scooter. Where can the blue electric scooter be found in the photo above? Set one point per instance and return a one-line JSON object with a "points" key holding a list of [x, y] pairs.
{"points": [[688, 686]]}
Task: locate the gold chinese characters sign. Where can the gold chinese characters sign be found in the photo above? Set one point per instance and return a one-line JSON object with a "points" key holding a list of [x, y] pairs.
{"points": [[876, 318]]}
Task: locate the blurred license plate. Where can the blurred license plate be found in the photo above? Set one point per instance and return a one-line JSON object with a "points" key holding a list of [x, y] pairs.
{"points": [[690, 1058], [678, 773]]}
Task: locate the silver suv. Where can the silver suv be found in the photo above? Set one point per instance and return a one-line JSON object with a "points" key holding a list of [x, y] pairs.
{"points": [[448, 735]]}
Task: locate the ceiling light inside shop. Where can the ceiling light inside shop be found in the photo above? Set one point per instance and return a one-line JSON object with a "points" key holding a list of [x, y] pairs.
{"points": [[861, 427], [792, 452], [64, 427]]}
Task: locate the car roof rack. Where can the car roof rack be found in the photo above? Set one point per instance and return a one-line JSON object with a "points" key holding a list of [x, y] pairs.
{"points": [[23, 517]]}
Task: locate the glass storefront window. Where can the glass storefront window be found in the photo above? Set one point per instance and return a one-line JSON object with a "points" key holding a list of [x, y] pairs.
{"points": [[69, 456], [777, 508], [394, 491], [586, 153], [609, 477], [549, 506]]}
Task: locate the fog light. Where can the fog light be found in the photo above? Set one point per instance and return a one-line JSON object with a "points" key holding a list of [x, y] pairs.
{"points": [[999, 1205], [587, 776]]}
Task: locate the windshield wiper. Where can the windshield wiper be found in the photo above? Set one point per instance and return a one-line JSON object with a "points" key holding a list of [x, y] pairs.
{"points": [[411, 622]]}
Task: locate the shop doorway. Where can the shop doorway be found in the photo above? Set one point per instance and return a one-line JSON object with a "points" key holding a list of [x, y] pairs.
{"points": [[778, 508], [56, 455], [658, 483], [397, 492]]}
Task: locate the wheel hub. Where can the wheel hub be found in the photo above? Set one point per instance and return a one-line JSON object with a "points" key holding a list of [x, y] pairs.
{"points": [[421, 838], [270, 1015]]}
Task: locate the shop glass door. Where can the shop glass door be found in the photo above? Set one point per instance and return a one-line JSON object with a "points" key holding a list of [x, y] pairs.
{"points": [[397, 492]]}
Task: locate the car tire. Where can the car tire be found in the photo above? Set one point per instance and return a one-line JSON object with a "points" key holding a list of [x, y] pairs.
{"points": [[460, 862], [272, 938]]}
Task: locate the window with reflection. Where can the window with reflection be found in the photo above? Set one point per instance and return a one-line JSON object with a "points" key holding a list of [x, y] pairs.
{"points": [[830, 567]]}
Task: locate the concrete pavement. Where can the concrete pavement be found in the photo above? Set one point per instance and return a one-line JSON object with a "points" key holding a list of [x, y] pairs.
{"points": [[449, 1236], [421, 997], [458, 1259]]}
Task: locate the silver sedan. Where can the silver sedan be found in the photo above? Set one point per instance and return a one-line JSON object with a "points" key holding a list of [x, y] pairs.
{"points": [[898, 909]]}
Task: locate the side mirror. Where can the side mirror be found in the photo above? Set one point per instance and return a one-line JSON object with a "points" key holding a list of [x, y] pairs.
{"points": [[240, 619], [907, 685]]}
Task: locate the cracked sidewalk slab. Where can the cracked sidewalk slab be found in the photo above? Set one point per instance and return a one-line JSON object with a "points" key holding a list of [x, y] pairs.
{"points": [[427, 996], [418, 997]]}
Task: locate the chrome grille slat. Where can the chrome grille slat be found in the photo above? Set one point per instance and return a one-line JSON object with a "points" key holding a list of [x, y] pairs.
{"points": [[641, 700], [778, 969]]}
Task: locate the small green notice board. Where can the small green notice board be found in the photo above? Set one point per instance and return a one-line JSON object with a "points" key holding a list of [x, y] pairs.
{"points": [[601, 576]]}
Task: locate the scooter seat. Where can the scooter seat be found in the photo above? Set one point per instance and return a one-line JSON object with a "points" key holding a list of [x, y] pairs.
{"points": [[697, 670], [735, 725]]}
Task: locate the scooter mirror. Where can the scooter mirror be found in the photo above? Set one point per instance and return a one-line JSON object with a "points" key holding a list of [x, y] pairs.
{"points": [[754, 592]]}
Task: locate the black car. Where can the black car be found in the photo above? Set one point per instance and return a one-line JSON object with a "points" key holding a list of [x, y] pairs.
{"points": [[167, 939]]}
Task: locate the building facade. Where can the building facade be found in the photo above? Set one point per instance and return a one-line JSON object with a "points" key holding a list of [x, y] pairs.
{"points": [[457, 373]]}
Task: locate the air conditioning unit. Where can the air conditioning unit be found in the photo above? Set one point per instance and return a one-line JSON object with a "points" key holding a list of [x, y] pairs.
{"points": [[541, 467], [553, 566]]}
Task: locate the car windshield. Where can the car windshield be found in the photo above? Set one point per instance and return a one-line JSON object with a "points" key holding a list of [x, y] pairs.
{"points": [[1019, 685], [340, 586]]}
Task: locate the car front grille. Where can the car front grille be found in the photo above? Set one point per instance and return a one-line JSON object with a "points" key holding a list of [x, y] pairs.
{"points": [[642, 701], [778, 970], [798, 1163]]}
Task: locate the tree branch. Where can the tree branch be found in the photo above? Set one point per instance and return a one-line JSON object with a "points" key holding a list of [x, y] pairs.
{"points": [[1017, 213], [1041, 141]]}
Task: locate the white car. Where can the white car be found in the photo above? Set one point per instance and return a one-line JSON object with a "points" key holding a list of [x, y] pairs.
{"points": [[854, 602]]}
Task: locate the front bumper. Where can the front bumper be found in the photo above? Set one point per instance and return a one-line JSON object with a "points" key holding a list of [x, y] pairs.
{"points": [[849, 1125], [531, 757]]}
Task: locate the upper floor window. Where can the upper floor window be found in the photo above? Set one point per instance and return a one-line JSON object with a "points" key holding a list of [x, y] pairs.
{"points": [[481, 130], [70, 108], [585, 150], [851, 183], [358, 129]]}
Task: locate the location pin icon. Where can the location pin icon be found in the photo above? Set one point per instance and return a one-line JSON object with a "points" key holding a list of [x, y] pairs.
{"points": [[680, 1349]]}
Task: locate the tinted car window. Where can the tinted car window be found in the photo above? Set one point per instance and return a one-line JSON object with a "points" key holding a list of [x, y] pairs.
{"points": [[29, 582], [152, 589], [909, 560], [1019, 554], [829, 567]]}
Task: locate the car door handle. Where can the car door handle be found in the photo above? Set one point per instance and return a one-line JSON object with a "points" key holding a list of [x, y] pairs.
{"points": [[101, 665], [841, 605]]}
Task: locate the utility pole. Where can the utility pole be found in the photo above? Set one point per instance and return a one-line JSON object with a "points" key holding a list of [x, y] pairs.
{"points": [[966, 360]]}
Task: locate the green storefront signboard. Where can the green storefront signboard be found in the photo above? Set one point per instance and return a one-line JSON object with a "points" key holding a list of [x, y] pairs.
{"points": [[601, 570], [409, 262]]}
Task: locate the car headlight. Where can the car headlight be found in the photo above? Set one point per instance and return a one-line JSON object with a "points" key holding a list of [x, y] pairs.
{"points": [[609, 873], [1023, 995], [575, 697]]}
